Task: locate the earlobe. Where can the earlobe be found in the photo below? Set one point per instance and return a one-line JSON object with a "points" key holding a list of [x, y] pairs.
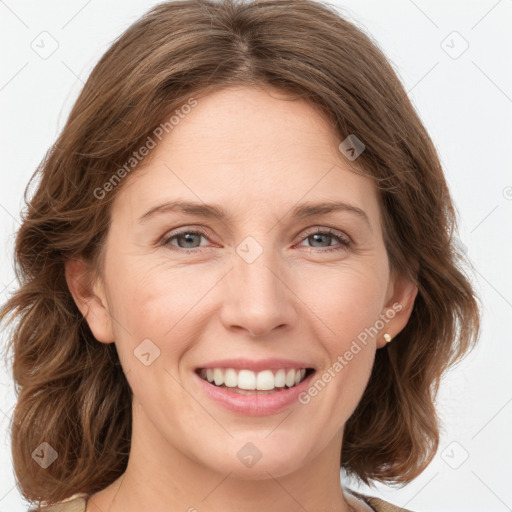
{"points": [[398, 309], [90, 299]]}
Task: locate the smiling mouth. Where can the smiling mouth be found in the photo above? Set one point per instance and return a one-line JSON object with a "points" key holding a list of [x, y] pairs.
{"points": [[247, 382]]}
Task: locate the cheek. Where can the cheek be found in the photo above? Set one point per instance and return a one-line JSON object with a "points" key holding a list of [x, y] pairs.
{"points": [[155, 302], [347, 299], [346, 303], [152, 324]]}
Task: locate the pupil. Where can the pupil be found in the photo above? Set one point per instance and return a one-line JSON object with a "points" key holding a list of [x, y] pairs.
{"points": [[319, 235], [187, 237]]}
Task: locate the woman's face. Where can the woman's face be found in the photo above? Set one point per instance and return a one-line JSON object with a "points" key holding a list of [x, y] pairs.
{"points": [[254, 291]]}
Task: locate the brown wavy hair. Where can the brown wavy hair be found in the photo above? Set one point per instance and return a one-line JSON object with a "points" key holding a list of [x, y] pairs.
{"points": [[71, 389]]}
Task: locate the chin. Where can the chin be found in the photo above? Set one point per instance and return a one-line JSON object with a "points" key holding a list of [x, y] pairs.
{"points": [[251, 458]]}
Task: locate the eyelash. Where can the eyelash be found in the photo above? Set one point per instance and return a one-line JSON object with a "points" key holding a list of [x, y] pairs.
{"points": [[345, 242]]}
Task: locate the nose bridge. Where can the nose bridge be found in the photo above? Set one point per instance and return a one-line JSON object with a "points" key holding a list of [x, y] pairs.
{"points": [[258, 268], [259, 300]]}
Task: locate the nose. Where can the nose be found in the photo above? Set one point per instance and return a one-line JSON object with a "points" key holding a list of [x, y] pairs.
{"points": [[258, 296]]}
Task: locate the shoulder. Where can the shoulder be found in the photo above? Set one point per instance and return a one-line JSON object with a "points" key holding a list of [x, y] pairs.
{"points": [[378, 504], [75, 503]]}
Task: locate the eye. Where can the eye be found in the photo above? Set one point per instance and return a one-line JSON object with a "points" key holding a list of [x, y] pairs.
{"points": [[190, 240], [187, 237], [327, 235]]}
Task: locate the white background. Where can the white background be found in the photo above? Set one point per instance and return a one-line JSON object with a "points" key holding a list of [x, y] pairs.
{"points": [[466, 105]]}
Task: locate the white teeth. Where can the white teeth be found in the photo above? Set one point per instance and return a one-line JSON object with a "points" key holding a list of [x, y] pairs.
{"points": [[290, 378], [246, 379], [218, 376], [265, 380], [230, 378], [280, 378]]}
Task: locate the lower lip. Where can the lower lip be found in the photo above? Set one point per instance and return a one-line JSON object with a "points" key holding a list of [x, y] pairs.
{"points": [[254, 405]]}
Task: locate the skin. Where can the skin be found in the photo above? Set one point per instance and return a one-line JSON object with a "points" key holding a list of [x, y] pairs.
{"points": [[258, 155]]}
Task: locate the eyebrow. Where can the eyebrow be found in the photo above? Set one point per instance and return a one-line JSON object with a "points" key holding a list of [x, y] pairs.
{"points": [[213, 211]]}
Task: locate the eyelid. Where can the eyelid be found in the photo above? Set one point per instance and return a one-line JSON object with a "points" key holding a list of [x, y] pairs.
{"points": [[164, 240], [328, 230], [346, 240]]}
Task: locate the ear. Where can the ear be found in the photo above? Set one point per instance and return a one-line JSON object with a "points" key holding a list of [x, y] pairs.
{"points": [[90, 299], [399, 303]]}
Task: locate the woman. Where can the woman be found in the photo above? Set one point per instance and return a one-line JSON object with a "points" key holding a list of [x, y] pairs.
{"points": [[182, 341]]}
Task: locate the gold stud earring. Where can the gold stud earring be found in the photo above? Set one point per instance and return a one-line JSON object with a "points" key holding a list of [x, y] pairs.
{"points": [[387, 337]]}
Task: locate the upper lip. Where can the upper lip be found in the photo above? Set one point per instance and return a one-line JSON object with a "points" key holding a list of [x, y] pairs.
{"points": [[256, 365]]}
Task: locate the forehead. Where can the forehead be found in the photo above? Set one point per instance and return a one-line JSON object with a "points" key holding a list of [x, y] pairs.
{"points": [[258, 150], [241, 123]]}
